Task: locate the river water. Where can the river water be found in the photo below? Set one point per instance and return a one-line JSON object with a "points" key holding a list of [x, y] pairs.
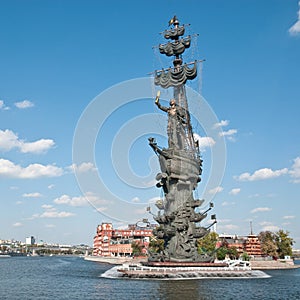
{"points": [[60, 277]]}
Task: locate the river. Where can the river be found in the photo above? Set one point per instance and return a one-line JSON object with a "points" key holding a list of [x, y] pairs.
{"points": [[60, 277]]}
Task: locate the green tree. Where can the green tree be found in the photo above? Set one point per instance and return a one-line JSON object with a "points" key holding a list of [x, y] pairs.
{"points": [[232, 253], [276, 244], [268, 243], [208, 243], [156, 245], [221, 253], [284, 243], [245, 256], [136, 248]]}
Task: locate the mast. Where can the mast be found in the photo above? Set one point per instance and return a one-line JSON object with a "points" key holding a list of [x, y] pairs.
{"points": [[177, 76]]}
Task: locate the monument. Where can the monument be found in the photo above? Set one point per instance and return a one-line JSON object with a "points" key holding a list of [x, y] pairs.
{"points": [[180, 163], [180, 170]]}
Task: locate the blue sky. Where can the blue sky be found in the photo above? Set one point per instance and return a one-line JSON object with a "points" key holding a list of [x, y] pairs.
{"points": [[76, 109]]}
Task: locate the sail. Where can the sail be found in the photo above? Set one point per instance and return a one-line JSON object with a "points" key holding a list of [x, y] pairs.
{"points": [[175, 48], [175, 77], [174, 33]]}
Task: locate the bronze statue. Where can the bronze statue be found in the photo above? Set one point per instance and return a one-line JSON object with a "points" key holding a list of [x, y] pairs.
{"points": [[176, 123], [180, 164]]}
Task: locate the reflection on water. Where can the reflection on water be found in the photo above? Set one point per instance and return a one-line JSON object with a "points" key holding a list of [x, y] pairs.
{"points": [[186, 289]]}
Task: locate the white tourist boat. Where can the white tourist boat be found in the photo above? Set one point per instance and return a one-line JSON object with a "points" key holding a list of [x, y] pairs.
{"points": [[221, 269]]}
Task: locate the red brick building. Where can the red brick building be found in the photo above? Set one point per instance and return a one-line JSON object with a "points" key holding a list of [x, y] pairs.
{"points": [[117, 242], [249, 244], [230, 241], [252, 245]]}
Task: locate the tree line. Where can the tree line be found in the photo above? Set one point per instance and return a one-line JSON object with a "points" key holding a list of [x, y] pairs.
{"points": [[276, 244]]}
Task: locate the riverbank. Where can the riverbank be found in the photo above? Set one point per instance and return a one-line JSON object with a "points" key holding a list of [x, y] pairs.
{"points": [[273, 264], [255, 265], [108, 260], [114, 260]]}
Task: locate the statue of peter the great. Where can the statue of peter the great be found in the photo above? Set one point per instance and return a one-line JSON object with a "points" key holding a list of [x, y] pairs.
{"points": [[176, 123]]}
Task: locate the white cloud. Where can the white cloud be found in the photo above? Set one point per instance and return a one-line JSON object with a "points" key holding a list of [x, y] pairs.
{"points": [[295, 29], [83, 167], [229, 134], [11, 170], [52, 212], [17, 224], [136, 200], [56, 214], [295, 170], [51, 186], [3, 106], [268, 226], [24, 104], [234, 191], [72, 201], [260, 209], [262, 174], [217, 189], [88, 199], [204, 142], [39, 146], [9, 140], [13, 187], [288, 217], [271, 228], [265, 223], [221, 124], [47, 206], [225, 203], [32, 195]]}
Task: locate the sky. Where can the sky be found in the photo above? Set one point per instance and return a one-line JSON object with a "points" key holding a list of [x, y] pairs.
{"points": [[77, 109]]}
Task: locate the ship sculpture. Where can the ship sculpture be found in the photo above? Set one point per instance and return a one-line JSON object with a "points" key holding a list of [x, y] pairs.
{"points": [[181, 167], [180, 163]]}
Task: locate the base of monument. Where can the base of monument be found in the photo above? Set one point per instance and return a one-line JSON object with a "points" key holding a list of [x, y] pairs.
{"points": [[183, 264], [167, 270]]}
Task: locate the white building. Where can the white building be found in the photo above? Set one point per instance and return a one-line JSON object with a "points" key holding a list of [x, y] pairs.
{"points": [[30, 240]]}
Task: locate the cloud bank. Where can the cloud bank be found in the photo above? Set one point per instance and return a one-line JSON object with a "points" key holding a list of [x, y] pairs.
{"points": [[295, 170], [295, 29], [32, 171], [204, 142], [24, 104], [262, 174], [9, 140]]}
